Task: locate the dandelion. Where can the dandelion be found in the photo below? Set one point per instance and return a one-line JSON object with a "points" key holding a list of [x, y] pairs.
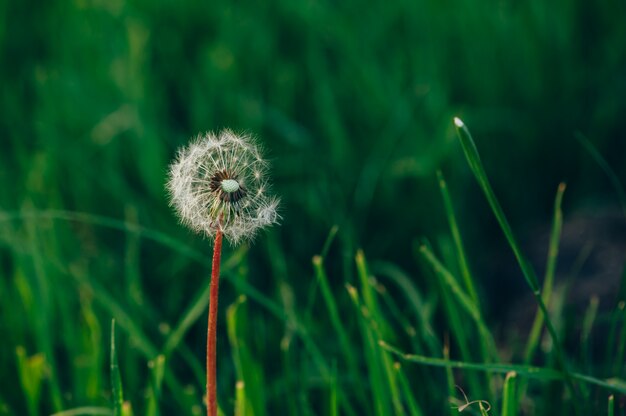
{"points": [[217, 184], [218, 187]]}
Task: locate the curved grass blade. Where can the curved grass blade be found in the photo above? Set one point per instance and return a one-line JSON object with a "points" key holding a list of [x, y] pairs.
{"points": [[475, 163], [473, 158], [537, 373]]}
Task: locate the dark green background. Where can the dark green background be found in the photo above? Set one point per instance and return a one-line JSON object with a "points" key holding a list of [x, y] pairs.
{"points": [[353, 102]]}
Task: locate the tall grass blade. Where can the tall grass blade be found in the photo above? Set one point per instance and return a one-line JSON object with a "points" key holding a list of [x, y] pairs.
{"points": [[588, 321], [548, 281], [473, 158], [455, 289], [193, 313], [333, 404], [621, 344], [617, 316], [117, 395], [247, 370], [377, 329], [476, 165], [611, 406], [376, 371], [127, 409], [329, 240], [409, 397], [157, 367], [31, 372], [240, 399], [509, 395], [458, 242], [43, 309], [421, 309], [456, 314], [335, 317], [449, 374]]}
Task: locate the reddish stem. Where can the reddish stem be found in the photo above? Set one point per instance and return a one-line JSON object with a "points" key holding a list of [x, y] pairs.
{"points": [[211, 373]]}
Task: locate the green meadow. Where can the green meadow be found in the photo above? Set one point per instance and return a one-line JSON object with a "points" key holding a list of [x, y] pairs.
{"points": [[451, 176]]}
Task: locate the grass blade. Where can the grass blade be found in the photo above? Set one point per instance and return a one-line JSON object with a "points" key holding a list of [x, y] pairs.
{"points": [[548, 282], [85, 411], [157, 367], [409, 397], [378, 328], [456, 290], [449, 374], [588, 320], [537, 373], [335, 317], [473, 158], [458, 242], [127, 409], [117, 395], [617, 317], [534, 336], [333, 403], [329, 240], [380, 396], [193, 313], [422, 310], [509, 395], [456, 305], [247, 369], [240, 399], [31, 371]]}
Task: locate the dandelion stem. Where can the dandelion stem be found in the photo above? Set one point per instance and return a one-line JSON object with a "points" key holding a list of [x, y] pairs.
{"points": [[211, 373]]}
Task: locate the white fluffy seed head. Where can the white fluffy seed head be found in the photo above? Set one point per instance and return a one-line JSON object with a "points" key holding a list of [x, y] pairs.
{"points": [[218, 183]]}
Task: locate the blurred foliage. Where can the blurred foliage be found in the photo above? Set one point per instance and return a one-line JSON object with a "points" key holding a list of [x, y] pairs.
{"points": [[353, 102]]}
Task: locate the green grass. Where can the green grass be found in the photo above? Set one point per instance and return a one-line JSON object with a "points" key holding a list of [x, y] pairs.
{"points": [[401, 252]]}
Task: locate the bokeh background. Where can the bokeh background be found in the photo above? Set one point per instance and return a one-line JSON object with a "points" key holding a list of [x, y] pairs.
{"points": [[353, 102]]}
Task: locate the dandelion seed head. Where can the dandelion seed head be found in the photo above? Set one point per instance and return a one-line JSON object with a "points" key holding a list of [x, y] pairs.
{"points": [[218, 183]]}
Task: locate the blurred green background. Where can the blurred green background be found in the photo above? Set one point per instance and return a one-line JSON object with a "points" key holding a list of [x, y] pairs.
{"points": [[353, 102]]}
